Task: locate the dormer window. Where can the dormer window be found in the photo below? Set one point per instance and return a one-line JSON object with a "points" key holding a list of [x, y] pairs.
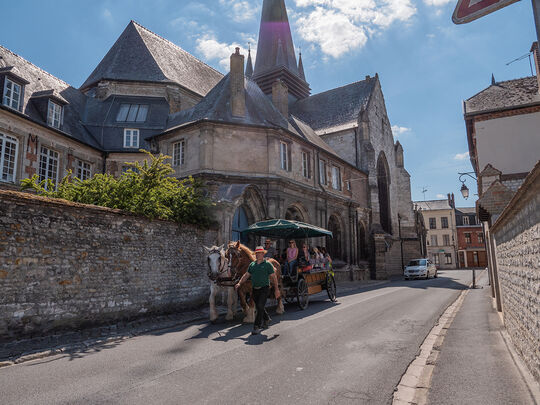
{"points": [[131, 138], [132, 113], [12, 94], [54, 114]]}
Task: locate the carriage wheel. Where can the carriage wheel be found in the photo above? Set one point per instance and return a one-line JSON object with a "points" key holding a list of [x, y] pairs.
{"points": [[302, 294], [331, 287]]}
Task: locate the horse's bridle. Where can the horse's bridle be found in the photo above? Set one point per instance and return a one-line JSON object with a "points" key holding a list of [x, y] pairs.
{"points": [[223, 268]]}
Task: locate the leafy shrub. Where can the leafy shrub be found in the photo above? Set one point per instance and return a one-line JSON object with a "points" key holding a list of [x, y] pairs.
{"points": [[146, 189]]}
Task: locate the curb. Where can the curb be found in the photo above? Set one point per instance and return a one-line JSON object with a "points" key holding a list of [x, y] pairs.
{"points": [[415, 383], [29, 356]]}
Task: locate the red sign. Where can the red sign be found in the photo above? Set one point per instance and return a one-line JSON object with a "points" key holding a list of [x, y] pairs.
{"points": [[469, 10]]}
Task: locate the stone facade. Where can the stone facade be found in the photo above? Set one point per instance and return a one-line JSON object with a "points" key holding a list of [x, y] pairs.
{"points": [[66, 265], [517, 246]]}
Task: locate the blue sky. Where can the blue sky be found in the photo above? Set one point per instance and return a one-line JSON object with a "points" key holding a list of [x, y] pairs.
{"points": [[427, 65]]}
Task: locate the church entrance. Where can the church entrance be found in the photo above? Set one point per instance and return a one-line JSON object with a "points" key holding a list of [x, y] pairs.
{"points": [[240, 222]]}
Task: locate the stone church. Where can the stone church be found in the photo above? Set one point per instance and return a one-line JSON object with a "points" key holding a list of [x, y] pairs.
{"points": [[265, 147]]}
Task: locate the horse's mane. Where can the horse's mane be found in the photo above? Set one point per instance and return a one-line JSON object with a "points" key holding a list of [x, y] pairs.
{"points": [[247, 251]]}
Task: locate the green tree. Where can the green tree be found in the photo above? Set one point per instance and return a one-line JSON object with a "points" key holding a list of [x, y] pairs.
{"points": [[146, 189]]}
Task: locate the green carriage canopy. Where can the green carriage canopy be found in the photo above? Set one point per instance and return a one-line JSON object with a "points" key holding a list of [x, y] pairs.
{"points": [[285, 229]]}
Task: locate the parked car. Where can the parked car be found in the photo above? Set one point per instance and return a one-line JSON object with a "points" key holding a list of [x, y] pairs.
{"points": [[420, 268]]}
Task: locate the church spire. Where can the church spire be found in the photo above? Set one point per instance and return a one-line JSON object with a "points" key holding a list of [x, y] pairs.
{"points": [[301, 67], [249, 65], [276, 58]]}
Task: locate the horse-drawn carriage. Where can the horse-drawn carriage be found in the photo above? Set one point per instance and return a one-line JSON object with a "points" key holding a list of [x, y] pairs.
{"points": [[309, 278], [226, 267]]}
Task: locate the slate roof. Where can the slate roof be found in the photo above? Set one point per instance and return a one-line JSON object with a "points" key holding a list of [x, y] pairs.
{"points": [[275, 46], [260, 111], [335, 109], [432, 205], [504, 95], [141, 55], [41, 83]]}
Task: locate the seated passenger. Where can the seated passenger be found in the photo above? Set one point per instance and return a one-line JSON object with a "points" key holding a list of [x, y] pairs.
{"points": [[292, 259]]}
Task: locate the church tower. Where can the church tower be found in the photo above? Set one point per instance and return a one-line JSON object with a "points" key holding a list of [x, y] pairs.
{"points": [[276, 59]]}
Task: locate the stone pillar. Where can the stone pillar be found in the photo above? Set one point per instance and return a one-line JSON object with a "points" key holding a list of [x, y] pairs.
{"points": [[238, 94], [280, 97], [380, 256]]}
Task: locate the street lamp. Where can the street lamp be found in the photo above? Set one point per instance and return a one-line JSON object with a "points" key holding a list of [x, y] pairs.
{"points": [[465, 193], [464, 189]]}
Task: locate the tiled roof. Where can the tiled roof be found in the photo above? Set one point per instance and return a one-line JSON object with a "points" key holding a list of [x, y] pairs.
{"points": [[259, 111], [40, 83], [335, 109], [141, 55], [504, 95], [431, 205]]}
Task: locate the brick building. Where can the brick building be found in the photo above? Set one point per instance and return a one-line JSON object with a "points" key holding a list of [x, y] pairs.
{"points": [[470, 239], [265, 147]]}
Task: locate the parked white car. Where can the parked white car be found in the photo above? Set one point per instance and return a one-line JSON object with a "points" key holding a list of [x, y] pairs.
{"points": [[420, 268]]}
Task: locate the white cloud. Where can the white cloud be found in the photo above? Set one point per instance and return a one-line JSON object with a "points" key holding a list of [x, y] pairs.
{"points": [[338, 26], [438, 3], [398, 131], [107, 15], [213, 50], [240, 10], [461, 156], [441, 196]]}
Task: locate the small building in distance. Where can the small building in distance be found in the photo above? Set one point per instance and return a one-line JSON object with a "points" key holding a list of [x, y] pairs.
{"points": [[440, 220], [470, 239]]}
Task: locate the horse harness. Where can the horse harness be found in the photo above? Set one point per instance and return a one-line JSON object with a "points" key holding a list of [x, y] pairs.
{"points": [[224, 267]]}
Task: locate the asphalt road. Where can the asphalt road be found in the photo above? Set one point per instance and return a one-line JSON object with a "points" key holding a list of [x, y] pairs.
{"points": [[351, 352]]}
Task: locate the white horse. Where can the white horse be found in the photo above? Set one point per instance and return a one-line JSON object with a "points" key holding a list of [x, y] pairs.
{"points": [[220, 281]]}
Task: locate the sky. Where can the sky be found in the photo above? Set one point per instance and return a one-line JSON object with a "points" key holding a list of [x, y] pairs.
{"points": [[427, 65]]}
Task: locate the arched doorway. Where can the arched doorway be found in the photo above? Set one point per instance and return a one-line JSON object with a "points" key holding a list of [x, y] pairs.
{"points": [[383, 184], [362, 242], [240, 222], [333, 245]]}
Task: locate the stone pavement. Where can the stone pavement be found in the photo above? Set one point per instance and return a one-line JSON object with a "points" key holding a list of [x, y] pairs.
{"points": [[475, 366], [70, 342]]}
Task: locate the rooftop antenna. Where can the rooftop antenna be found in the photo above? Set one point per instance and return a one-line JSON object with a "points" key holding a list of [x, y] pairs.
{"points": [[527, 55], [424, 191]]}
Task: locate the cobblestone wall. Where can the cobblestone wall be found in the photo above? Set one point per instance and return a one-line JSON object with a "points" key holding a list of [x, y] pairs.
{"points": [[65, 265], [517, 235]]}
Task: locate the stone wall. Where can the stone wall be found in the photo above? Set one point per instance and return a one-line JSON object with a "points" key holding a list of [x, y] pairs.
{"points": [[517, 238], [66, 265]]}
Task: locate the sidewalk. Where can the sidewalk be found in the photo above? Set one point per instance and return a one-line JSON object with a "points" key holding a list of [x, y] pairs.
{"points": [[475, 365], [81, 340]]}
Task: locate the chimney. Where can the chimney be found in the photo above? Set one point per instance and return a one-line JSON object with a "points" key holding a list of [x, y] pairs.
{"points": [[536, 55], [236, 80], [280, 97]]}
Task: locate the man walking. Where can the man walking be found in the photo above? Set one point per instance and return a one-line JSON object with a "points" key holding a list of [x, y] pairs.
{"points": [[261, 272]]}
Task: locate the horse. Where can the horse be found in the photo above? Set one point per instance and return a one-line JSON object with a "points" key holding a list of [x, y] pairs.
{"points": [[240, 257], [220, 281]]}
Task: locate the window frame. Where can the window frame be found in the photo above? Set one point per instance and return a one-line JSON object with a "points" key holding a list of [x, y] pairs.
{"points": [[48, 165], [465, 219], [130, 146], [50, 120], [480, 237], [181, 154], [4, 94], [468, 237], [11, 139], [306, 164], [436, 259], [322, 172], [336, 185], [130, 106], [433, 221], [448, 258], [444, 222], [82, 167], [434, 238], [446, 240], [285, 159]]}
